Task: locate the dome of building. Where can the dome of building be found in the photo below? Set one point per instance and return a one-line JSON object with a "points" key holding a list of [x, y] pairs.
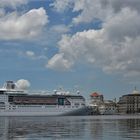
{"points": [[95, 94], [136, 92]]}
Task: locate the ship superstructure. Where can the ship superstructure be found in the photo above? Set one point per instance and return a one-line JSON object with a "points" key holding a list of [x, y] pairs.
{"points": [[14, 102]]}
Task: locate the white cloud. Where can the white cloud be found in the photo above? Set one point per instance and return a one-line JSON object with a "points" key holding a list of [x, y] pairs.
{"points": [[60, 28], [26, 26], [23, 84], [30, 53], [15, 25], [117, 5], [91, 9], [79, 48], [59, 63], [12, 3], [113, 48], [88, 9], [61, 5], [123, 24]]}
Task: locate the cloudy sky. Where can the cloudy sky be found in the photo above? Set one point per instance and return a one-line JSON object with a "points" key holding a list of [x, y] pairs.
{"points": [[86, 45]]}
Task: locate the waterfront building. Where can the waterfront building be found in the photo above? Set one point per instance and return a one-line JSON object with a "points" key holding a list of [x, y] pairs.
{"points": [[108, 107], [129, 103], [101, 106], [96, 98]]}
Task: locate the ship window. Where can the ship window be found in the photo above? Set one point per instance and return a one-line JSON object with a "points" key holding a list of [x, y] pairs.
{"points": [[76, 104], [1, 92], [2, 103], [60, 101]]}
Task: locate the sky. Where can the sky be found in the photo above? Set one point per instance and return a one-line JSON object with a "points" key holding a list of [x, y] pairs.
{"points": [[85, 45]]}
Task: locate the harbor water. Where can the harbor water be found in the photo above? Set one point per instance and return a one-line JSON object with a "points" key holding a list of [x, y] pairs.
{"points": [[71, 128]]}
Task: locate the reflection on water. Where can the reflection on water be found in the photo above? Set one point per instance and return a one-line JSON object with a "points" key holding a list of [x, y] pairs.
{"points": [[40, 127], [74, 128], [130, 128]]}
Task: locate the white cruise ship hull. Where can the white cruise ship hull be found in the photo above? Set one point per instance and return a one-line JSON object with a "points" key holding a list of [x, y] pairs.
{"points": [[14, 102], [45, 112]]}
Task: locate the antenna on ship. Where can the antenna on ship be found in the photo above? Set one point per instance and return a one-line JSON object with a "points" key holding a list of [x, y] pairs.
{"points": [[61, 88], [76, 89]]}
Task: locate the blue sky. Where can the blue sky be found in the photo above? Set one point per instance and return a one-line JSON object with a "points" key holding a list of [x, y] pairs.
{"points": [[86, 45]]}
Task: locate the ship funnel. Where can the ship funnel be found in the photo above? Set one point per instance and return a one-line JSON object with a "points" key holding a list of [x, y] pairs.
{"points": [[9, 85]]}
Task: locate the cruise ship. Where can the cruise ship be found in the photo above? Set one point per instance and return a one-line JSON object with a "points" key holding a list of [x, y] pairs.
{"points": [[15, 102]]}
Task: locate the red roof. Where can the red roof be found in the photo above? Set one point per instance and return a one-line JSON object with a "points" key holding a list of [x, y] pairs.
{"points": [[95, 94]]}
